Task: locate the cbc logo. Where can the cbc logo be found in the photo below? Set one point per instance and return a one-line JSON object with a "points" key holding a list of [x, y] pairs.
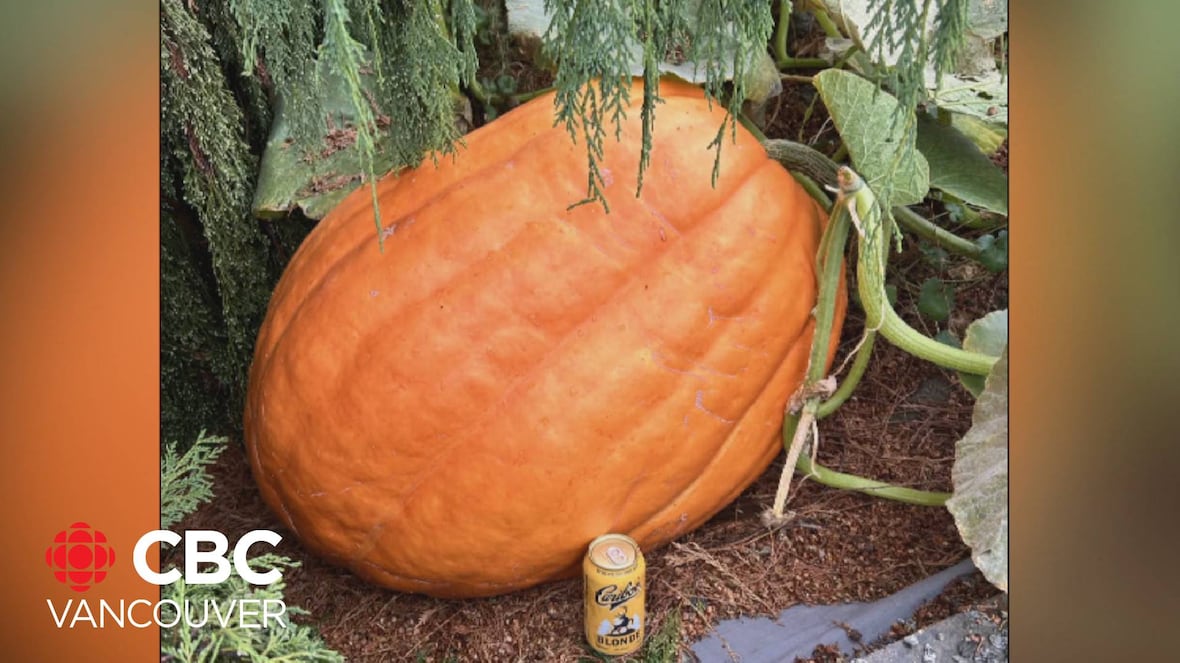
{"points": [[80, 557]]}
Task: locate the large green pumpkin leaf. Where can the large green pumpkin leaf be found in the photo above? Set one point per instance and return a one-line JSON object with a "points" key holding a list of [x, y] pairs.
{"points": [[984, 97], [316, 178], [987, 335], [987, 136], [980, 475], [958, 167], [975, 86], [936, 299], [882, 149]]}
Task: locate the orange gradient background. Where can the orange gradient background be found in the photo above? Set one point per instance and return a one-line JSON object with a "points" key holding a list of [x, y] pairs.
{"points": [[1095, 453], [1095, 457], [79, 302]]}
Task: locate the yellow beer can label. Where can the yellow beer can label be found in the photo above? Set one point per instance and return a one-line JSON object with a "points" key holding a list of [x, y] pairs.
{"points": [[615, 585]]}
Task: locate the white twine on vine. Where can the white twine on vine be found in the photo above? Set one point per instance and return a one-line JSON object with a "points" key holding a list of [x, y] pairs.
{"points": [[807, 399]]}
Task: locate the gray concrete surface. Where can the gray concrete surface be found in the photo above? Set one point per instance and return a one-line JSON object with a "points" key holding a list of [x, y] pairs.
{"points": [[969, 637]]}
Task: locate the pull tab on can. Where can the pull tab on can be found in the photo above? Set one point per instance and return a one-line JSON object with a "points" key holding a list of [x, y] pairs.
{"points": [[615, 586]]}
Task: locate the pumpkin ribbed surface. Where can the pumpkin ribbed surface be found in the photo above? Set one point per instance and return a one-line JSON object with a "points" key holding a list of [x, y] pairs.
{"points": [[461, 414]]}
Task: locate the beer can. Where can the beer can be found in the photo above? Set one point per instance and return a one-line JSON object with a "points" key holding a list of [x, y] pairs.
{"points": [[615, 586]]}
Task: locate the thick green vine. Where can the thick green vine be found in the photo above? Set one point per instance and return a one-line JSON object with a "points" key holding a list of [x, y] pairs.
{"points": [[834, 479], [874, 245], [870, 276], [802, 410], [855, 203]]}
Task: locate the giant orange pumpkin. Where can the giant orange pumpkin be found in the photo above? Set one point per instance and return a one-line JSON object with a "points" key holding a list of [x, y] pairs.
{"points": [[460, 414]]}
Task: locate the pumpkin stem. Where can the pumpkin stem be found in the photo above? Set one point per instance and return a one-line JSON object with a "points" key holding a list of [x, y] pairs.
{"points": [[797, 157], [800, 159]]}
